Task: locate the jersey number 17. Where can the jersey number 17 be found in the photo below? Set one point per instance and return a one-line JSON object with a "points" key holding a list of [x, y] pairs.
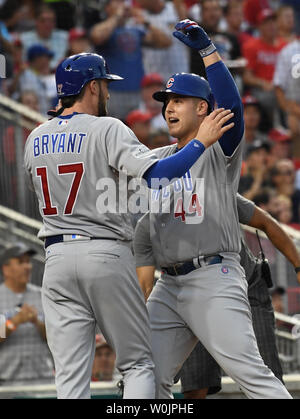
{"points": [[63, 169]]}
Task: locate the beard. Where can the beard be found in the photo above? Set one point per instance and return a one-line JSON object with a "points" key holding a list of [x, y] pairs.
{"points": [[102, 104]]}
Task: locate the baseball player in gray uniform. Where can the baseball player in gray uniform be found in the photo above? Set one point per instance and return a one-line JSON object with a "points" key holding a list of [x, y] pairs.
{"points": [[90, 273], [200, 374], [203, 291]]}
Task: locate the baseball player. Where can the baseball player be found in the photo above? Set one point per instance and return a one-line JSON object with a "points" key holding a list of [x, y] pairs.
{"points": [[90, 275], [203, 292], [200, 374]]}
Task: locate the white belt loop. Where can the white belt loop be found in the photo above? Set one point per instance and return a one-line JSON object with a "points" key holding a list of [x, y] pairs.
{"points": [[198, 261]]}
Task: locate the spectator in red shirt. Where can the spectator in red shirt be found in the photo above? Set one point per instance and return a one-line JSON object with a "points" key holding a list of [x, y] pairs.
{"points": [[261, 54]]}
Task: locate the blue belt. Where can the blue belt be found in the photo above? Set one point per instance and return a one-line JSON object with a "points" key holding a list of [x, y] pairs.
{"points": [[73, 237], [189, 266]]}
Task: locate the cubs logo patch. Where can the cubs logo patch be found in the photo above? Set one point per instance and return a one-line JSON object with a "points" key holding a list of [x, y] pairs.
{"points": [[170, 83], [224, 270]]}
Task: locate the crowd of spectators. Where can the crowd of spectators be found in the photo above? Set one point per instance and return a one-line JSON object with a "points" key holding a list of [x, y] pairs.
{"points": [[258, 39]]}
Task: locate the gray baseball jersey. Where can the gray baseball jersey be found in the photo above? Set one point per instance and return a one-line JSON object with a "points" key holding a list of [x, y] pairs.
{"points": [[202, 204], [67, 158], [71, 160], [144, 248], [209, 304]]}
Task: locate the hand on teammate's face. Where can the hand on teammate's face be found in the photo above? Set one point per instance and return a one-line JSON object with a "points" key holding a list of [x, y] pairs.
{"points": [[212, 127]]}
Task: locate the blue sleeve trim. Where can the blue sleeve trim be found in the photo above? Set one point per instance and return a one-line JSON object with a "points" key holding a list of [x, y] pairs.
{"points": [[227, 96], [165, 171]]}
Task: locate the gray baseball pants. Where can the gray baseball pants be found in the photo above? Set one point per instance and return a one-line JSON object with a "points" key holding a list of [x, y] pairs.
{"points": [[94, 282], [209, 304]]}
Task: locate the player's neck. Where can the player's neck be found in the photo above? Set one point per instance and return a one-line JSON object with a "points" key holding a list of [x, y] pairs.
{"points": [[181, 142], [80, 107]]}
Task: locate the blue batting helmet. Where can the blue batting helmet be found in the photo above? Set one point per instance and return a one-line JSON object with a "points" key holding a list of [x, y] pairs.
{"points": [[75, 71], [187, 84]]}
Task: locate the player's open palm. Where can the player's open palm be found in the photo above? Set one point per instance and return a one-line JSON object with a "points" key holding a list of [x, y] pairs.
{"points": [[213, 126]]}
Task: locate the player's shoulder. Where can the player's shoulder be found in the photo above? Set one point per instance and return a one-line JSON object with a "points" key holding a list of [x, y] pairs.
{"points": [[40, 128], [165, 151], [106, 121]]}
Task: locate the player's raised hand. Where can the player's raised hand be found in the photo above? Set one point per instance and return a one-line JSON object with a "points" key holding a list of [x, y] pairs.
{"points": [[212, 127], [191, 34]]}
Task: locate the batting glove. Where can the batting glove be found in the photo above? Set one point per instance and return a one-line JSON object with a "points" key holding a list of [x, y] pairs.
{"points": [[191, 34]]}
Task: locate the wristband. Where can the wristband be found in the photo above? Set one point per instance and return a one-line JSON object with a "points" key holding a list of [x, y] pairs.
{"points": [[297, 269], [10, 325], [208, 50]]}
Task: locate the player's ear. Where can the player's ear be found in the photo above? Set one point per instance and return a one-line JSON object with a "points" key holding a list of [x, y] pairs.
{"points": [[202, 107], [94, 87]]}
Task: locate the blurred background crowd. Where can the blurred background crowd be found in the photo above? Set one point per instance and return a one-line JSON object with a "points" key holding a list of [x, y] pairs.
{"points": [[258, 40]]}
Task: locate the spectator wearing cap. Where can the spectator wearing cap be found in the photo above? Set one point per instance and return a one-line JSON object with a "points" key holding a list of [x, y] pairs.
{"points": [[46, 34], [281, 140], [253, 116], [252, 9], [38, 77], [287, 89], [261, 55], [152, 83], [120, 39], [139, 122], [256, 173], [24, 354], [78, 42], [283, 179], [104, 362]]}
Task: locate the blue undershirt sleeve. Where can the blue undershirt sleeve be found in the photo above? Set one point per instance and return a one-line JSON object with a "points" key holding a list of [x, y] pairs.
{"points": [[227, 96], [175, 166]]}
